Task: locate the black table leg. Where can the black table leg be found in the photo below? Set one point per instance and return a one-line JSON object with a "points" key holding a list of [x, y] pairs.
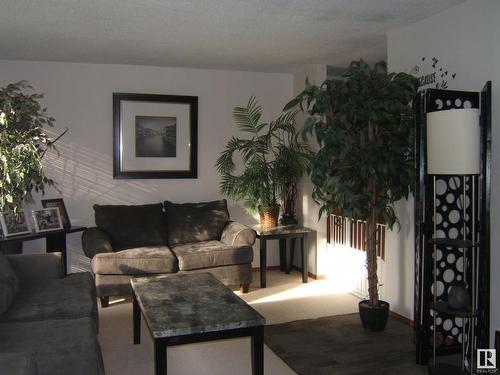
{"points": [[160, 357], [258, 352], [304, 251], [136, 316], [263, 263], [290, 255], [57, 242], [282, 254]]}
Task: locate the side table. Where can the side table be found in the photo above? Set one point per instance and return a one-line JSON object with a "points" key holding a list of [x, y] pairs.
{"points": [[54, 241], [283, 233]]}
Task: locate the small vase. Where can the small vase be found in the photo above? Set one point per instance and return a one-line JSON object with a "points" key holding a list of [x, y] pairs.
{"points": [[288, 219]]}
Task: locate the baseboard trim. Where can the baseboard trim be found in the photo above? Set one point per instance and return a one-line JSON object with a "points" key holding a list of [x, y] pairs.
{"points": [[311, 275], [402, 318], [395, 315]]}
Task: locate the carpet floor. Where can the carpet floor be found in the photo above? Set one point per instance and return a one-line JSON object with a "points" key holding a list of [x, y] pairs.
{"points": [[339, 345]]}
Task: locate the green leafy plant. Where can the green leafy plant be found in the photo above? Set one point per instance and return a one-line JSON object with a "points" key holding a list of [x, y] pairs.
{"points": [[23, 143], [364, 126], [271, 158]]}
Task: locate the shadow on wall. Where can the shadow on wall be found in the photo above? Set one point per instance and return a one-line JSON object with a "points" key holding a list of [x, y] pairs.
{"points": [[85, 177], [83, 173]]}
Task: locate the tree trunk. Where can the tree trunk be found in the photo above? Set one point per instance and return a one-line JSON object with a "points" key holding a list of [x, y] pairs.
{"points": [[371, 224], [371, 257], [371, 261]]}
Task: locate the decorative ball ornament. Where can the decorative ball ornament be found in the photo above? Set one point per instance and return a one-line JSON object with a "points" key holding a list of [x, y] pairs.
{"points": [[458, 297]]}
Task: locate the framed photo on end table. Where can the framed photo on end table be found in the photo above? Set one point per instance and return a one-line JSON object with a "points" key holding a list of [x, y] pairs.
{"points": [[155, 136], [59, 204], [47, 219], [14, 224]]}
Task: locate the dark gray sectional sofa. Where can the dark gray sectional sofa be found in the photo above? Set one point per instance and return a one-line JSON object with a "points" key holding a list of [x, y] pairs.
{"points": [[153, 239], [48, 321]]}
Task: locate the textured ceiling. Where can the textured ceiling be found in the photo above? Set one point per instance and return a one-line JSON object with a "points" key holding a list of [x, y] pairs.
{"points": [[259, 35]]}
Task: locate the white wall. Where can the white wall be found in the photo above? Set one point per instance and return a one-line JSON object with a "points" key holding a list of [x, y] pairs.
{"points": [[307, 209], [79, 96], [465, 40]]}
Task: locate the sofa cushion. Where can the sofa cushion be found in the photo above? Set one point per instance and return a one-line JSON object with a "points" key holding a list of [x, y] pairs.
{"points": [[136, 261], [9, 284], [17, 363], [132, 226], [193, 222], [70, 297], [60, 347], [208, 254]]}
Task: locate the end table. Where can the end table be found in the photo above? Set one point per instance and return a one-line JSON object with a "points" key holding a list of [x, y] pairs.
{"points": [[282, 233], [54, 241]]}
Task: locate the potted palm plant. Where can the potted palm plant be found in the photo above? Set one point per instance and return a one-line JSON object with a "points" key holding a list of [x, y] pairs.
{"points": [[365, 163], [23, 143], [271, 160]]}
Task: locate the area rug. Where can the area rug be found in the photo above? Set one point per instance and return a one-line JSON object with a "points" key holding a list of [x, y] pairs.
{"points": [[339, 345]]}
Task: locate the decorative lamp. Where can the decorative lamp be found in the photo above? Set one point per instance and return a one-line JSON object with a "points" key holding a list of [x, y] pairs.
{"points": [[453, 142]]}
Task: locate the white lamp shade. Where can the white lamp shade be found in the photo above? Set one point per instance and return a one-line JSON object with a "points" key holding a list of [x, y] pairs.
{"points": [[453, 141]]}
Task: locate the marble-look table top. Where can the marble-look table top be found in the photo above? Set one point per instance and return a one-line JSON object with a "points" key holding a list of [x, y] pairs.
{"points": [[175, 305], [281, 230]]}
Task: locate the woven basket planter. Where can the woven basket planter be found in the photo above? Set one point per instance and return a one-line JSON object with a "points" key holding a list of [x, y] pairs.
{"points": [[269, 216]]}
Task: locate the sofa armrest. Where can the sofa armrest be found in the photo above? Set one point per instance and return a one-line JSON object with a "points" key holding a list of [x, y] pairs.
{"points": [[95, 241], [33, 268], [238, 234]]}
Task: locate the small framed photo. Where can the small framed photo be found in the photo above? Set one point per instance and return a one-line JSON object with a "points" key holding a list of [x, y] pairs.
{"points": [[59, 204], [47, 219], [14, 224]]}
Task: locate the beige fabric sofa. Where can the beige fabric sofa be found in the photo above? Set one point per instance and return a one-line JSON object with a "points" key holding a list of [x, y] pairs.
{"points": [[130, 241]]}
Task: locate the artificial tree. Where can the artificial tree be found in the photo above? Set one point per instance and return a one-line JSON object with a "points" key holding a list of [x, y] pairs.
{"points": [[271, 159], [365, 163], [23, 143]]}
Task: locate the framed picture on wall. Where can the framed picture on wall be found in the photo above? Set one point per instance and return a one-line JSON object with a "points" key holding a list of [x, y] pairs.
{"points": [[59, 204], [14, 224], [47, 219], [155, 136]]}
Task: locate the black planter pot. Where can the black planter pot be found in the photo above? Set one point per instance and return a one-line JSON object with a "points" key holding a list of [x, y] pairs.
{"points": [[374, 318]]}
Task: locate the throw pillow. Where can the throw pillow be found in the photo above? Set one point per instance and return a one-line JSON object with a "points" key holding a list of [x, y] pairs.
{"points": [[195, 222], [132, 226], [9, 284]]}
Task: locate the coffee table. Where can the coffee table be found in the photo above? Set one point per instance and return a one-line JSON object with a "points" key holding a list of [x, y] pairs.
{"points": [[189, 308]]}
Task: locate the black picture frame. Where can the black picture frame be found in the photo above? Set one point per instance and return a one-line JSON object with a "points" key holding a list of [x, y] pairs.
{"points": [[59, 204], [119, 172]]}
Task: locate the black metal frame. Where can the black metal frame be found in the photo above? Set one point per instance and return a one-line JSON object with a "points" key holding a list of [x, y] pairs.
{"points": [[423, 219], [484, 224], [161, 344], [192, 171]]}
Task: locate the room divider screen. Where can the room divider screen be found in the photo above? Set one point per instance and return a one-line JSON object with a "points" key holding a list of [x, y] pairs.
{"points": [[452, 226]]}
